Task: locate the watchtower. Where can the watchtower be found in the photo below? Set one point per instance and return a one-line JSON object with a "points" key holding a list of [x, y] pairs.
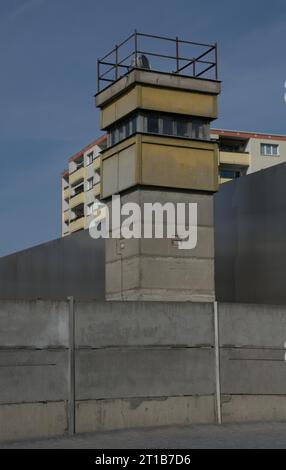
{"points": [[156, 109]]}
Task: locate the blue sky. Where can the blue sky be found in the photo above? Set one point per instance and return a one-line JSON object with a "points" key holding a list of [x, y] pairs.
{"points": [[48, 52]]}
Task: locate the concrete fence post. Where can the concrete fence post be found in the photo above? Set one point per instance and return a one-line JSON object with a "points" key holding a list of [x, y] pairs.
{"points": [[71, 385], [217, 362]]}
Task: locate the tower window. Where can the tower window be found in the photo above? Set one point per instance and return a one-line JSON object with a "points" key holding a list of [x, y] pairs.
{"points": [[160, 124], [190, 128], [122, 130], [153, 124], [182, 128], [168, 123]]}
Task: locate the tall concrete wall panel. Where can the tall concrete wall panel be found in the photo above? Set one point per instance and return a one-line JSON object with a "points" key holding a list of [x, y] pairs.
{"points": [[252, 358]]}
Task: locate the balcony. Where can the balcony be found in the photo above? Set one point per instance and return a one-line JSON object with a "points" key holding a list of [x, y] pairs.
{"points": [[96, 164], [66, 215], [96, 189], [234, 158], [66, 193], [77, 175], [77, 224], [76, 200]]}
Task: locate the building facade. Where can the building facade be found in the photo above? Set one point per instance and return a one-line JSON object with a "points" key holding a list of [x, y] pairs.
{"points": [[240, 153], [81, 187]]}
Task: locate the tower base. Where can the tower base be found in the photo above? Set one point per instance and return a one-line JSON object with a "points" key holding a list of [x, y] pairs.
{"points": [[156, 269]]}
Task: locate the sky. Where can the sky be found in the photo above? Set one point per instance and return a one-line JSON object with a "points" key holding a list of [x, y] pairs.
{"points": [[48, 53]]}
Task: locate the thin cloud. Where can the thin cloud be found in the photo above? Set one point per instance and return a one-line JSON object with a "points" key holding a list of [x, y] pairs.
{"points": [[28, 5]]}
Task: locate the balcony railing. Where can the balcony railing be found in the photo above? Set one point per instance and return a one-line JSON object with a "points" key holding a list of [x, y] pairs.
{"points": [[234, 158], [179, 57], [77, 175], [96, 189], [66, 193], [77, 199], [96, 164], [77, 224], [66, 215]]}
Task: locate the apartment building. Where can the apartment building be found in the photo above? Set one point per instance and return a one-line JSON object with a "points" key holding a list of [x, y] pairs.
{"points": [[240, 153], [81, 187]]}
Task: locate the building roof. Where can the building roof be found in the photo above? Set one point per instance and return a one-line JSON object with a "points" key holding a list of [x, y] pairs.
{"points": [[98, 141], [247, 134]]}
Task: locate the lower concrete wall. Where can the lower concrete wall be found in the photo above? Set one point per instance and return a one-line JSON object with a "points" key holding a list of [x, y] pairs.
{"points": [[26, 420], [34, 368], [98, 415], [137, 364], [144, 364], [252, 360], [250, 408]]}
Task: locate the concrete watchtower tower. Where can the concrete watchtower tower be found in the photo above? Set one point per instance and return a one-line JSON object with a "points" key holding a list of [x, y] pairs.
{"points": [[159, 150]]}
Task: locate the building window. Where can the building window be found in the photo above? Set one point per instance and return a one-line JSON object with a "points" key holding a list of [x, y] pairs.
{"points": [[229, 174], [90, 158], [89, 184], [77, 189], [269, 150]]}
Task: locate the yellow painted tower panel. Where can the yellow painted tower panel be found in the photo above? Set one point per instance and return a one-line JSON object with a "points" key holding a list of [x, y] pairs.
{"points": [[179, 102], [179, 163], [120, 107], [158, 99], [179, 167]]}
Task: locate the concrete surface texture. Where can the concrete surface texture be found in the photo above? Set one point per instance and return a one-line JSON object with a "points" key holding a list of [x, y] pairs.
{"points": [[138, 364], [156, 269], [235, 436]]}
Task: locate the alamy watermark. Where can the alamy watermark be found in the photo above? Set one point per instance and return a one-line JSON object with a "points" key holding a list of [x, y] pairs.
{"points": [[176, 221]]}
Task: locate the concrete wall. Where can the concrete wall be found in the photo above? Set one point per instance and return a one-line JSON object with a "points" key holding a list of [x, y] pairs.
{"points": [[137, 364], [144, 364], [34, 368], [253, 368]]}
